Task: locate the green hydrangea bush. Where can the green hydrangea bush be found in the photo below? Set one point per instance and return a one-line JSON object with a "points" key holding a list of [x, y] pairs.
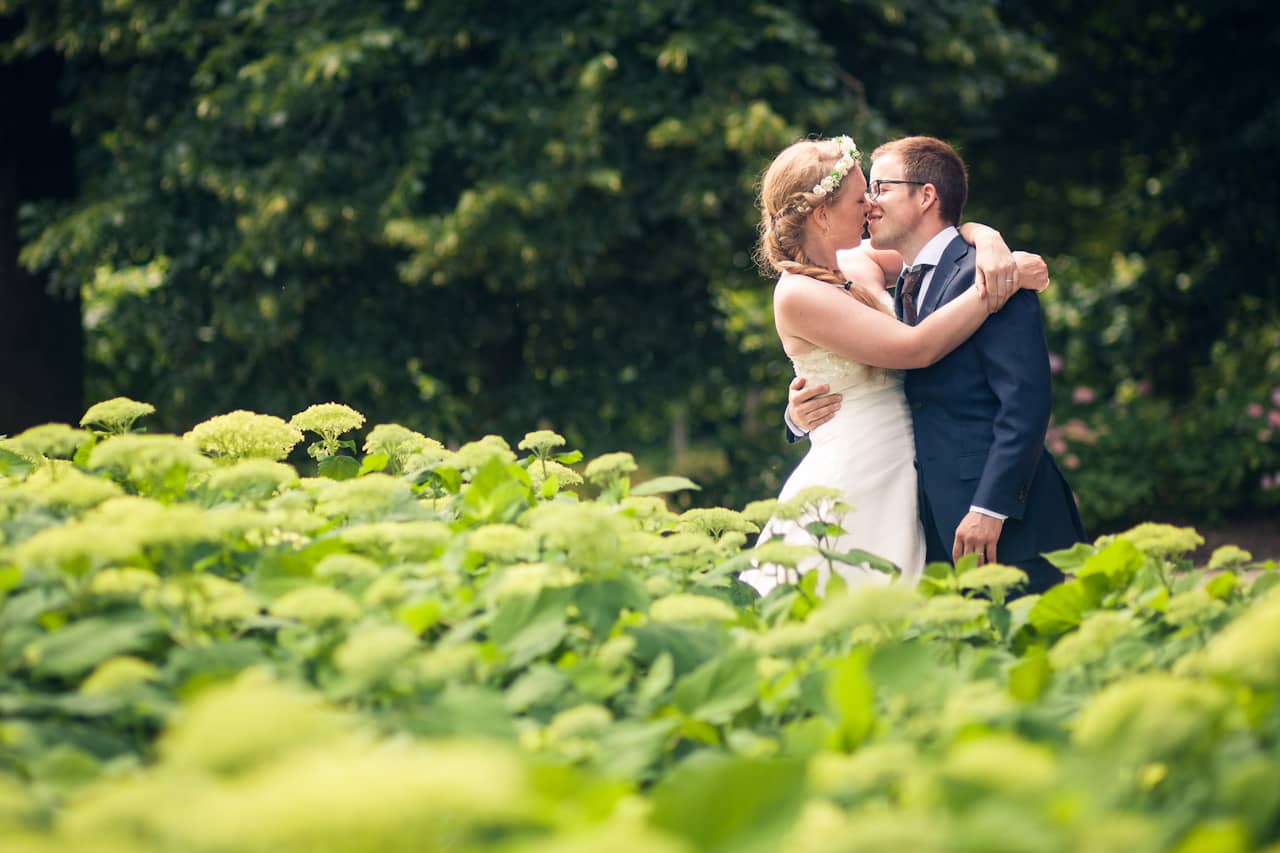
{"points": [[227, 642]]}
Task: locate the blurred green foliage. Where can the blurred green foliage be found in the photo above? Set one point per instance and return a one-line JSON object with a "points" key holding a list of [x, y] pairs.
{"points": [[482, 217]]}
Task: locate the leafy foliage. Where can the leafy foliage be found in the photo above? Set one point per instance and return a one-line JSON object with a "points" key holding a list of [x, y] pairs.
{"points": [[450, 657]]}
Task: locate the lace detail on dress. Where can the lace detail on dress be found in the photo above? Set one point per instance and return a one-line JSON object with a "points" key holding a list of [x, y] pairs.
{"points": [[844, 375]]}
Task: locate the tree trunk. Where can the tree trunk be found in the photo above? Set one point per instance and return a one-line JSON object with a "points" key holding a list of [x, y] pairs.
{"points": [[41, 337]]}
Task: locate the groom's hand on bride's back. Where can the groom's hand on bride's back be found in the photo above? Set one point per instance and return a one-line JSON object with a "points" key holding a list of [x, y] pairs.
{"points": [[810, 406]]}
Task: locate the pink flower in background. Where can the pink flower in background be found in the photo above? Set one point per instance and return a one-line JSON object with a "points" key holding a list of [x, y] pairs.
{"points": [[1083, 395], [1143, 387], [1266, 482], [1057, 446], [1273, 418], [1253, 410], [1056, 363], [1264, 435], [1071, 462], [1275, 396]]}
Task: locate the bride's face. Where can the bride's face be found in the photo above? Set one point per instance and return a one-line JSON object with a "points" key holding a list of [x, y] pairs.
{"points": [[848, 213]]}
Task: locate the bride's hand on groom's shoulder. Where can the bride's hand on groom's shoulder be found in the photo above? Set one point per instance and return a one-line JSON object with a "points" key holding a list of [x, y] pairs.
{"points": [[810, 406], [1033, 272]]}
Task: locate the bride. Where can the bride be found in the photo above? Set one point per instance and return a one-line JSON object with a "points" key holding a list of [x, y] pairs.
{"points": [[836, 323]]}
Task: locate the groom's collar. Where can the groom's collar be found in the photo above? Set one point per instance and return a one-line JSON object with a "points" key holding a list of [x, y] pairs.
{"points": [[932, 251]]}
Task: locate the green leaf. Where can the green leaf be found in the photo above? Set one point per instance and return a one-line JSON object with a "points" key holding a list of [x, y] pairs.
{"points": [[530, 626], [541, 684], [13, 465], [1118, 562], [1062, 607], [75, 649], [718, 689], [1221, 586], [656, 681], [852, 697], [338, 467], [662, 485], [570, 458], [420, 615], [1030, 675], [630, 747], [373, 462], [858, 557], [601, 602], [1071, 559], [10, 577], [721, 804], [688, 645]]}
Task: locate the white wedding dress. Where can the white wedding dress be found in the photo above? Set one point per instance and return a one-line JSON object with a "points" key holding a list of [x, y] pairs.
{"points": [[867, 451]]}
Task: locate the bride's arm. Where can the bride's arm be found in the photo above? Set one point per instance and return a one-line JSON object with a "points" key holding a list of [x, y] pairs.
{"points": [[999, 272], [824, 316]]}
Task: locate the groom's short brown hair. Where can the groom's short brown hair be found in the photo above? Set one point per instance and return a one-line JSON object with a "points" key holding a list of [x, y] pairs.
{"points": [[932, 161]]}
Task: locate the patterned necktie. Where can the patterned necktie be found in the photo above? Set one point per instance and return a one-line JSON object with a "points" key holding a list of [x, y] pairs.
{"points": [[910, 287]]}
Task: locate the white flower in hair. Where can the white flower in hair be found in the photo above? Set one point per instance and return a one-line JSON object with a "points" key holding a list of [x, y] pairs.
{"points": [[848, 159]]}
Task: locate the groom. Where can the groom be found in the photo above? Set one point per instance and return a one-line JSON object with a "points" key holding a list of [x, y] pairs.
{"points": [[986, 486]]}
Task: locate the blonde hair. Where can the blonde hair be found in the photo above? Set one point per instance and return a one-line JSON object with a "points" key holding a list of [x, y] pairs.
{"points": [[786, 200]]}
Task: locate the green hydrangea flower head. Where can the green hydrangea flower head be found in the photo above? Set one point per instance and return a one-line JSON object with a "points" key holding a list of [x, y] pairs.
{"points": [[369, 497], [243, 435], [522, 579], [245, 724], [777, 552], [399, 540], [811, 501], [1195, 605], [115, 416], [548, 469], [119, 675], [1150, 716], [316, 605], [716, 521], [55, 441], [374, 649], [250, 479], [346, 567], [1003, 763], [950, 610], [759, 512], [541, 442], [1090, 642], [992, 577], [329, 421], [503, 542], [683, 607], [401, 444], [126, 582], [143, 459], [608, 467], [1162, 539], [1229, 557], [1248, 649], [64, 489], [474, 454], [579, 721]]}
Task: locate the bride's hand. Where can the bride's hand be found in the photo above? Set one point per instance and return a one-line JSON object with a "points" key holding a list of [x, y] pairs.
{"points": [[1033, 272], [995, 274]]}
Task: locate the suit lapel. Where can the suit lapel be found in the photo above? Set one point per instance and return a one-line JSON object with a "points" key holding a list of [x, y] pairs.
{"points": [[946, 273]]}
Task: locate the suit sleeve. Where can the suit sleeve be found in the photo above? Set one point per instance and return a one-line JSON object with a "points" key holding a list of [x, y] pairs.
{"points": [[1015, 358], [793, 432]]}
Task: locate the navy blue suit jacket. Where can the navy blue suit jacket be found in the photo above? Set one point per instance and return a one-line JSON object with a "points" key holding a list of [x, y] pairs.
{"points": [[980, 416]]}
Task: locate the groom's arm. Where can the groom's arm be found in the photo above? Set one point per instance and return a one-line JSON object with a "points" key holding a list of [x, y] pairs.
{"points": [[1015, 360], [808, 406]]}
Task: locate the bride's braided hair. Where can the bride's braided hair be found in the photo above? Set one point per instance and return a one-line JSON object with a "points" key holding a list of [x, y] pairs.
{"points": [[786, 200]]}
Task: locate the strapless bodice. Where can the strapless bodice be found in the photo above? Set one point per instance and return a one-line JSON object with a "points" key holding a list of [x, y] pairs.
{"points": [[845, 376]]}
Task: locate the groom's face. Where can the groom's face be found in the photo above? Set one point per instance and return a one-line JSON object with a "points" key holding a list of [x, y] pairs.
{"points": [[894, 214]]}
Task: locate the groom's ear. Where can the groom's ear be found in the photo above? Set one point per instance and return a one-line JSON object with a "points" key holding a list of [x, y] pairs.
{"points": [[928, 197]]}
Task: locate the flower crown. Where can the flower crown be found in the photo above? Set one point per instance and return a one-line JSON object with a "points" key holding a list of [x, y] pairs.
{"points": [[848, 159]]}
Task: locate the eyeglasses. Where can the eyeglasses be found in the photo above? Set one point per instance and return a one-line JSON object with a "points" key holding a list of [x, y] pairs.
{"points": [[876, 187]]}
